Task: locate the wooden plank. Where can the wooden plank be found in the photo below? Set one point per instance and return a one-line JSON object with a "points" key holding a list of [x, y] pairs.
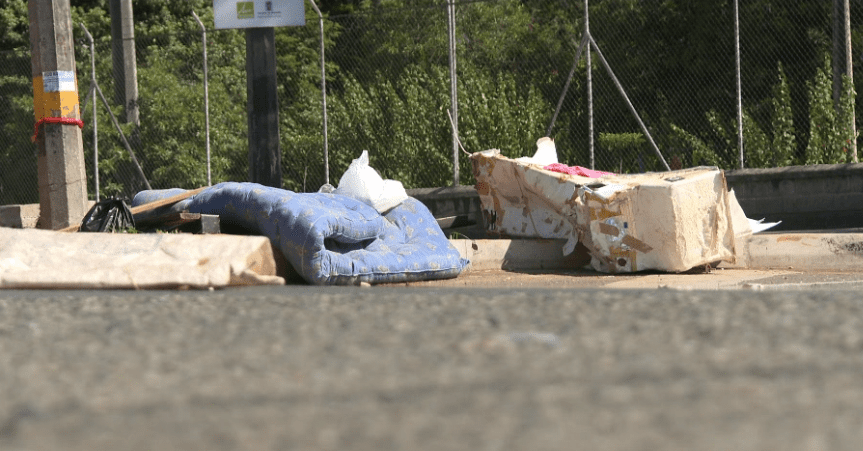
{"points": [[166, 201], [150, 206], [169, 220], [182, 221]]}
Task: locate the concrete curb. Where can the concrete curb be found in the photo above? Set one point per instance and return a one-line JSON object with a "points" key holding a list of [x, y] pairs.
{"points": [[519, 254], [806, 251], [798, 251]]}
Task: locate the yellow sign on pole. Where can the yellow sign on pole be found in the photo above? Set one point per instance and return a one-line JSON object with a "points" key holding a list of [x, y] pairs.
{"points": [[55, 94], [258, 13]]}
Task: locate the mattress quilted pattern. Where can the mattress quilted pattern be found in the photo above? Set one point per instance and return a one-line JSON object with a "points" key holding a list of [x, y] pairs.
{"points": [[330, 239]]}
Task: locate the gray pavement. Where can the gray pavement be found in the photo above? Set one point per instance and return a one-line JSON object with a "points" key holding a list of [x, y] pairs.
{"points": [[696, 279], [433, 367]]}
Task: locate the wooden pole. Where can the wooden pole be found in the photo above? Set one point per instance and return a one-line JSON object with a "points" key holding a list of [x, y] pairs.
{"points": [[265, 158]]}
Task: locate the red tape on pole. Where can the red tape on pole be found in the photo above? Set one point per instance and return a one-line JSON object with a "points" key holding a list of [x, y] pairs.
{"points": [[55, 120]]}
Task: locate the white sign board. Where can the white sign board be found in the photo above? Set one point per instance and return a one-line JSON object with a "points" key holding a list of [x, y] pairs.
{"points": [[258, 13]]}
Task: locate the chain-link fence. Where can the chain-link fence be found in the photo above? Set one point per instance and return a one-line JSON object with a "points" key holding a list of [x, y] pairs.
{"points": [[389, 91]]}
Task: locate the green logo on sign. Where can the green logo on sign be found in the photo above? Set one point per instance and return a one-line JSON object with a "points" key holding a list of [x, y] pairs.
{"points": [[245, 10]]}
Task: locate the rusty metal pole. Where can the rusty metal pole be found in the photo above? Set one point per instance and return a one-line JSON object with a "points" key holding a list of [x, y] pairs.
{"points": [[60, 154]]}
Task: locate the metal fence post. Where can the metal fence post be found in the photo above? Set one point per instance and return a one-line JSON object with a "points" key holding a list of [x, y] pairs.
{"points": [[92, 94], [206, 96], [453, 90], [739, 88], [849, 67], [323, 96], [628, 103], [575, 61], [589, 90]]}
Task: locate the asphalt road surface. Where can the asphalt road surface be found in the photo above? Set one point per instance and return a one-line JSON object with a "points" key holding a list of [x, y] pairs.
{"points": [[431, 368]]}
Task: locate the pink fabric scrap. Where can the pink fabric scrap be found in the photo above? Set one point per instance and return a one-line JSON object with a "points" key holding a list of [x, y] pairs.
{"points": [[576, 170]]}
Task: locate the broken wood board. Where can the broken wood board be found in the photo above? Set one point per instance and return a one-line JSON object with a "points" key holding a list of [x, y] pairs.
{"points": [[182, 221], [33, 258]]}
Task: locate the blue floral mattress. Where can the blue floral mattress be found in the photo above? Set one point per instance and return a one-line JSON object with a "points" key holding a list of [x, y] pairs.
{"points": [[330, 239]]}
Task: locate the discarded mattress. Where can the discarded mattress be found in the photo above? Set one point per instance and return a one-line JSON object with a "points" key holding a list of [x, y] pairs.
{"points": [[330, 239], [671, 221]]}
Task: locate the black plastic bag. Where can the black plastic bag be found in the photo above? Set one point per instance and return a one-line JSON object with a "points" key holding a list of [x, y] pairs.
{"points": [[108, 215]]}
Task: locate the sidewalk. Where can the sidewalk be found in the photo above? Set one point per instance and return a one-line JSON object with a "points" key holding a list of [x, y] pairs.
{"points": [[784, 261], [799, 251]]}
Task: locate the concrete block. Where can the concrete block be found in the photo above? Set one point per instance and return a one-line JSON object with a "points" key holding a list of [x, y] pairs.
{"points": [[23, 216], [210, 224]]}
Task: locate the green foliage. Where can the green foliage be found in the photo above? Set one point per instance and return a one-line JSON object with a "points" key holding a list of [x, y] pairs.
{"points": [[388, 88], [829, 130], [725, 138], [411, 142], [845, 120], [830, 133], [17, 153], [620, 147], [701, 153], [784, 143], [15, 24], [406, 141], [495, 111], [757, 151], [300, 99]]}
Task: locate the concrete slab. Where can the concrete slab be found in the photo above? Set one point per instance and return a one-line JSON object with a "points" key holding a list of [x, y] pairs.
{"points": [[33, 258]]}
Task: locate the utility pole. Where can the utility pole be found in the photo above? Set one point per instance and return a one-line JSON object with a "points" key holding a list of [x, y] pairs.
{"points": [[262, 104], [60, 155], [123, 51]]}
